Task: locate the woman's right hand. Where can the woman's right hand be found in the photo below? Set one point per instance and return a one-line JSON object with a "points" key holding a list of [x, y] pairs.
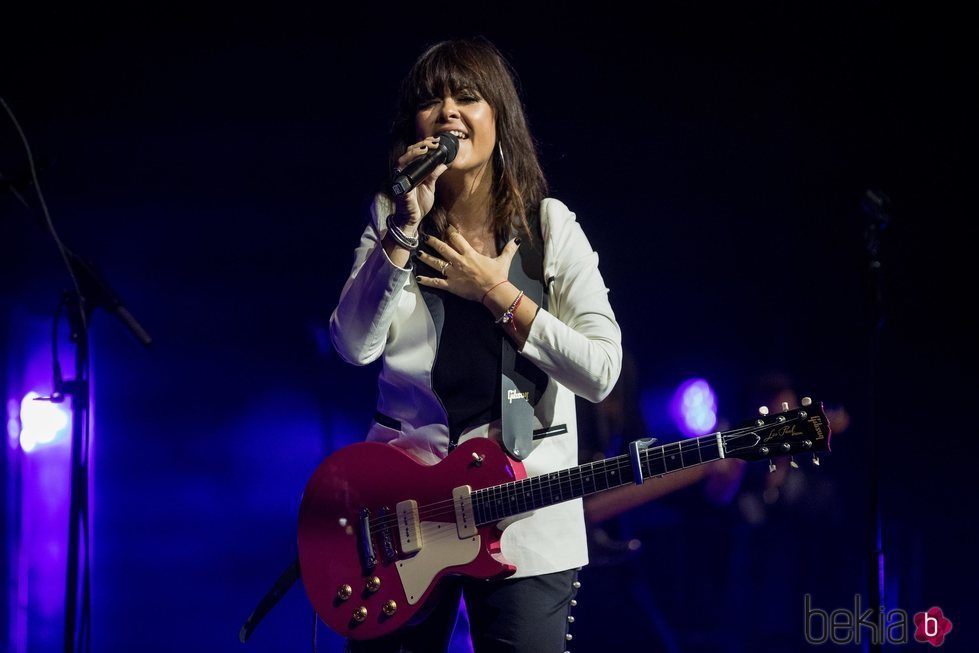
{"points": [[414, 205]]}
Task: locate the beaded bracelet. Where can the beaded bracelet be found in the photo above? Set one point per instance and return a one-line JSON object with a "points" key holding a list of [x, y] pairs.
{"points": [[507, 317], [410, 243]]}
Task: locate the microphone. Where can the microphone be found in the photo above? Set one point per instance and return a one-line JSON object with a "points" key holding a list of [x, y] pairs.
{"points": [[416, 171]]}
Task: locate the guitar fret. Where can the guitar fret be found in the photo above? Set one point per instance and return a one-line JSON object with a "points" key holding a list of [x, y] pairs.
{"points": [[564, 477], [538, 492], [689, 457], [513, 492], [478, 506], [494, 493]]}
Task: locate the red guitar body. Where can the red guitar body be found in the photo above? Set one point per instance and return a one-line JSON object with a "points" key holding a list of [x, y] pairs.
{"points": [[356, 491]]}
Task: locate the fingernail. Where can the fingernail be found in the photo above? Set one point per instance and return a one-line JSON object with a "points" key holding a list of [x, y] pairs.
{"points": [[423, 236], [516, 240]]}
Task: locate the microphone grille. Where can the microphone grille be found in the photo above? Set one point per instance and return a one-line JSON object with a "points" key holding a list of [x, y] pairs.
{"points": [[451, 144]]}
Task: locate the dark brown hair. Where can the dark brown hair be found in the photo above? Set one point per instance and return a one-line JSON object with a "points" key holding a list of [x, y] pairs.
{"points": [[518, 181]]}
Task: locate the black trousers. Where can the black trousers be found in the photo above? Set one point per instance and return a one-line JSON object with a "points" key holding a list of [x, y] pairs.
{"points": [[524, 615]]}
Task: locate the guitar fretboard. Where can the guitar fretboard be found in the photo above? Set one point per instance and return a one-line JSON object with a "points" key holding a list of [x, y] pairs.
{"points": [[495, 503]]}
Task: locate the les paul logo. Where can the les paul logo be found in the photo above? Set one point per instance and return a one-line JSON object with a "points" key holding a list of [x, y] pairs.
{"points": [[784, 431]]}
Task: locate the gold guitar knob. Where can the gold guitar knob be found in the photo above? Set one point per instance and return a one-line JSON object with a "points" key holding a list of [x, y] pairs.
{"points": [[344, 592], [360, 614], [373, 584], [390, 607]]}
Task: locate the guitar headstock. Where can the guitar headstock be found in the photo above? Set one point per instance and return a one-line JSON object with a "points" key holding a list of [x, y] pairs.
{"points": [[801, 430]]}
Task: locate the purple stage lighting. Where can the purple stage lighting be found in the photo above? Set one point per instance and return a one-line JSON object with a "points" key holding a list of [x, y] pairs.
{"points": [[693, 407], [43, 423]]}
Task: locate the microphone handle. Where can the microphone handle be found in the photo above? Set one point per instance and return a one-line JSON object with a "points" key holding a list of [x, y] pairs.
{"points": [[419, 169]]}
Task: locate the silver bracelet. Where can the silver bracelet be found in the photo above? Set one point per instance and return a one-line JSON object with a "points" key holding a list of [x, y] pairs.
{"points": [[410, 243]]}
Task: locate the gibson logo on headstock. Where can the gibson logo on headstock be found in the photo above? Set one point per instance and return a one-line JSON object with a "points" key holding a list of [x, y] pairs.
{"points": [[783, 431], [817, 426], [516, 394]]}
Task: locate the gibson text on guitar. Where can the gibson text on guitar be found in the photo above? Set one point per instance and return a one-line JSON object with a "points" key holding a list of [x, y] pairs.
{"points": [[378, 530]]}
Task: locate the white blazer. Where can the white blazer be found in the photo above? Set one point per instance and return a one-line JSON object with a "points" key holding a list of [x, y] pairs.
{"points": [[576, 343]]}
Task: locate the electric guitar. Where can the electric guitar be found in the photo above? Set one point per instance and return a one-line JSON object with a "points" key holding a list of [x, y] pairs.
{"points": [[378, 530]]}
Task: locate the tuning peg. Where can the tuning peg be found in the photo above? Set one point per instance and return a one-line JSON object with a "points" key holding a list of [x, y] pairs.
{"points": [[815, 459], [763, 410], [793, 463], [771, 465], [806, 401], [785, 406]]}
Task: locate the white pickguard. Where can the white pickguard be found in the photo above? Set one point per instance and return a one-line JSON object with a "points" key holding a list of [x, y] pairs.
{"points": [[441, 548]]}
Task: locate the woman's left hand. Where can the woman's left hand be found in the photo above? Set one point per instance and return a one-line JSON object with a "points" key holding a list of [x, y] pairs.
{"points": [[465, 272]]}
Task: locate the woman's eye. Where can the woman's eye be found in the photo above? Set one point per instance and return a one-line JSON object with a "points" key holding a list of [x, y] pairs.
{"points": [[424, 104]]}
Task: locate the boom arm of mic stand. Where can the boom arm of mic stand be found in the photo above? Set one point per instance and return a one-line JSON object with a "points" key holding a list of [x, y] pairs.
{"points": [[98, 293]]}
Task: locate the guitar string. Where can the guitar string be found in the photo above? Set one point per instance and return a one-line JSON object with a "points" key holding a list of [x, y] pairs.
{"points": [[446, 507]]}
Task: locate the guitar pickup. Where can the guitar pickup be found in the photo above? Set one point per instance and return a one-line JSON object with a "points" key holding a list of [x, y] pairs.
{"points": [[462, 500], [388, 552], [409, 527]]}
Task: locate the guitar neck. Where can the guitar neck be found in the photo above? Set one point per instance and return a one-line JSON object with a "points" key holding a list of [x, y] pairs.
{"points": [[493, 504]]}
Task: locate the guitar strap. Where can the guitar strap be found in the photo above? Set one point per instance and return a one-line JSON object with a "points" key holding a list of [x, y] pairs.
{"points": [[522, 383]]}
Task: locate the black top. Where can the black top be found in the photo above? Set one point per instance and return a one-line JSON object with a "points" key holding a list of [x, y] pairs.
{"points": [[467, 370]]}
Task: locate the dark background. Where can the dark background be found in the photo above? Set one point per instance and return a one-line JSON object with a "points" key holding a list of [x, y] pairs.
{"points": [[216, 165]]}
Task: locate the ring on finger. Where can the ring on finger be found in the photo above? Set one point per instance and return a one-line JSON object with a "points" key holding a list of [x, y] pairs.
{"points": [[445, 266]]}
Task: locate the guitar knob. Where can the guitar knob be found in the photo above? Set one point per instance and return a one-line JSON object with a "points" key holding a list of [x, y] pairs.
{"points": [[390, 607], [373, 584], [344, 592], [360, 614], [477, 459]]}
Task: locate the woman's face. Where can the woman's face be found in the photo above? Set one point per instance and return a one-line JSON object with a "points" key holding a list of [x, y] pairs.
{"points": [[470, 117]]}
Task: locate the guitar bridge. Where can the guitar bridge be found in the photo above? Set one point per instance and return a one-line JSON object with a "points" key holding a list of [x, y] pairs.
{"points": [[368, 559]]}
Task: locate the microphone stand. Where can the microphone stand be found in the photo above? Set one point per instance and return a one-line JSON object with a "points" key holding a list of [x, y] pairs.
{"points": [[874, 205], [93, 293], [78, 522]]}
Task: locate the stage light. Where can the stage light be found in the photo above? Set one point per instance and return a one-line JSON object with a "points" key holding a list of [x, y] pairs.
{"points": [[42, 423], [693, 407]]}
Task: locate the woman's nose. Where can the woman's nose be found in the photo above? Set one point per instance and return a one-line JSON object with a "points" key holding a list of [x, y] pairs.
{"points": [[449, 109]]}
